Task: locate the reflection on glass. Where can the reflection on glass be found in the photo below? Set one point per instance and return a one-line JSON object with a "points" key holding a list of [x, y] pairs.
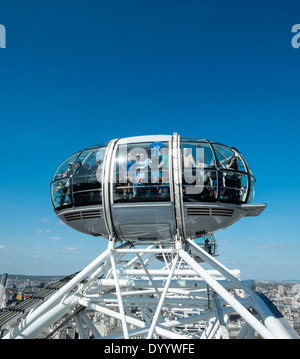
{"points": [[223, 154], [78, 181], [141, 172], [217, 176], [66, 168], [87, 179], [60, 191], [221, 185], [198, 180]]}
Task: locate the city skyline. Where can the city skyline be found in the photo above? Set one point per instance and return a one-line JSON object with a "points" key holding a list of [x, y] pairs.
{"points": [[77, 76]]}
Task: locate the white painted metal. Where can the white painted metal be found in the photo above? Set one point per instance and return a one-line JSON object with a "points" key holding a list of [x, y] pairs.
{"points": [[177, 184], [262, 330], [106, 188], [80, 327], [91, 270], [223, 330], [216, 264], [280, 327], [174, 301], [162, 298], [89, 324], [119, 296]]}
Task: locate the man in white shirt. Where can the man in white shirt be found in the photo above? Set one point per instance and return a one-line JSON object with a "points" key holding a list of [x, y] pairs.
{"points": [[188, 160]]}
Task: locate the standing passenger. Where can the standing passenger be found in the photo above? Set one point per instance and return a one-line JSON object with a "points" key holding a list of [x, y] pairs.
{"points": [[188, 160]]}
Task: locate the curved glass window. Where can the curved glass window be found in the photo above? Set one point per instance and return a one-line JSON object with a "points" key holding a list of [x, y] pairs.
{"points": [[198, 171], [213, 172], [223, 154], [66, 168], [78, 181], [207, 243], [61, 183], [141, 172], [87, 177], [61, 193], [234, 187]]}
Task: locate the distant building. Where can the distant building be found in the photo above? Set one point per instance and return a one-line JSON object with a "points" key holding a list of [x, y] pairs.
{"points": [[280, 290], [296, 288]]}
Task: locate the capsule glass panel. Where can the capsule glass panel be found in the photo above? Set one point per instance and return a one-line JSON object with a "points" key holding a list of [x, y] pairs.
{"points": [[212, 172], [208, 244], [223, 154], [87, 177], [61, 183], [198, 172], [78, 180], [66, 168], [61, 193], [233, 188], [141, 172]]}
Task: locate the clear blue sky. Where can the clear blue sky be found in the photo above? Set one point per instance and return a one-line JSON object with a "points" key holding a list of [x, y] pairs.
{"points": [[77, 73]]}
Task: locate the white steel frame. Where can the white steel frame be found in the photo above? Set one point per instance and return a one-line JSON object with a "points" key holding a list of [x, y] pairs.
{"points": [[155, 298]]}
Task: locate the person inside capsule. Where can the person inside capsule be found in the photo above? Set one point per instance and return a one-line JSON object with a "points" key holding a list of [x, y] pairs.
{"points": [[142, 172], [211, 172]]}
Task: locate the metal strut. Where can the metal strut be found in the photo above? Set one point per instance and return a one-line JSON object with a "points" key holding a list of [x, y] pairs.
{"points": [[172, 301], [223, 329]]}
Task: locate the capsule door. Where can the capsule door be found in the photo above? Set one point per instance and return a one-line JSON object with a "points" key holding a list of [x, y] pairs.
{"points": [[141, 200]]}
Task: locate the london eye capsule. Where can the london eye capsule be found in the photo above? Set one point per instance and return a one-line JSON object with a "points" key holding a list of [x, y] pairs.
{"points": [[150, 188]]}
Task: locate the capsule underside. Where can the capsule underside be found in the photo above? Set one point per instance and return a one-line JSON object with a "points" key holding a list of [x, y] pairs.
{"points": [[154, 188]]}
